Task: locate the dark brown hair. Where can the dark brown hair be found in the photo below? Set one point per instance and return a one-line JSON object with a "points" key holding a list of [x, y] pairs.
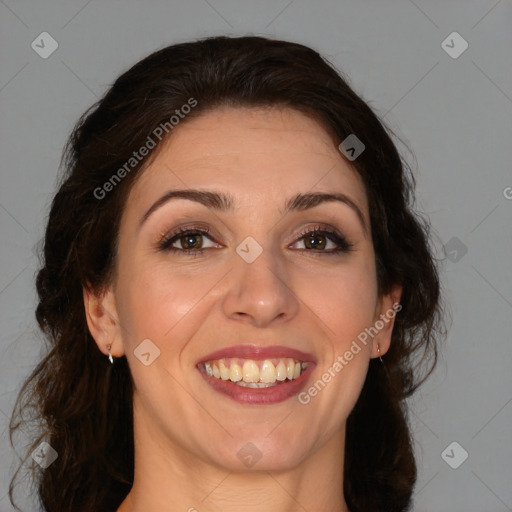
{"points": [[80, 404]]}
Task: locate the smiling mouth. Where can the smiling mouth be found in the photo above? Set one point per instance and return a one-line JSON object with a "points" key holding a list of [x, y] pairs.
{"points": [[254, 373]]}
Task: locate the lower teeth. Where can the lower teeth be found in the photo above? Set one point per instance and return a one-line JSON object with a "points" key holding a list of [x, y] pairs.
{"points": [[256, 384]]}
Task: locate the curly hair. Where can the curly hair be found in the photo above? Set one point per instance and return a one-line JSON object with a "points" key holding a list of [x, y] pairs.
{"points": [[80, 404]]}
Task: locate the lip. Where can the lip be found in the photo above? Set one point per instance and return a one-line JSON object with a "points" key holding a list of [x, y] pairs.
{"points": [[252, 351], [261, 396]]}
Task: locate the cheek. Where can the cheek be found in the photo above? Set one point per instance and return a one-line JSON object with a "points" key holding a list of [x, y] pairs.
{"points": [[346, 307], [153, 298], [346, 304], [343, 299]]}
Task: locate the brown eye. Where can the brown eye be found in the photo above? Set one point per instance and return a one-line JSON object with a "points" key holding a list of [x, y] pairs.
{"points": [[315, 241], [191, 241], [322, 241]]}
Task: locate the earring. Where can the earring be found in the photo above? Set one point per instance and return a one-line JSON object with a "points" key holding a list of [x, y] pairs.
{"points": [[110, 358], [378, 350]]}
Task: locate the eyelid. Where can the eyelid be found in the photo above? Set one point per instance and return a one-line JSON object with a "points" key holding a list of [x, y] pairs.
{"points": [[315, 227]]}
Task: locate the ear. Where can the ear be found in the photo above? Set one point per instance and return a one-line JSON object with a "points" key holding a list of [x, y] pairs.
{"points": [[102, 320], [388, 306]]}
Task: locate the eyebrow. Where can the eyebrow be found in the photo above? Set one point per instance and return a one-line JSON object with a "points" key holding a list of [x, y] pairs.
{"points": [[222, 202]]}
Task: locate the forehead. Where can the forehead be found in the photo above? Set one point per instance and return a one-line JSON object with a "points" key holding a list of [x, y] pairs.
{"points": [[264, 153]]}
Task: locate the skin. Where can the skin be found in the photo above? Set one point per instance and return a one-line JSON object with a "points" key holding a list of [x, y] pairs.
{"points": [[187, 435]]}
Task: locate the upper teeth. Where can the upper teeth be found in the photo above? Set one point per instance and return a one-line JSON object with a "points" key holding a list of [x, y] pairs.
{"points": [[251, 371]]}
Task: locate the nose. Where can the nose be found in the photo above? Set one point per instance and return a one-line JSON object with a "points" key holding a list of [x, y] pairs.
{"points": [[260, 293]]}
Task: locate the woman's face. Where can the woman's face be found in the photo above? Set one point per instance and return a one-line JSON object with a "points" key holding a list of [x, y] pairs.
{"points": [[252, 299]]}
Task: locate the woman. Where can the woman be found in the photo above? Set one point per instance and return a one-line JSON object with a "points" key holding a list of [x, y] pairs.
{"points": [[235, 289]]}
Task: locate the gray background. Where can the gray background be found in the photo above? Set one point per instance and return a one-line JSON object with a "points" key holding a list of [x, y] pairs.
{"points": [[455, 114]]}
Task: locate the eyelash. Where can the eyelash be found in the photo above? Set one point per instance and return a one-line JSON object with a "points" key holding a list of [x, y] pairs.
{"points": [[165, 243]]}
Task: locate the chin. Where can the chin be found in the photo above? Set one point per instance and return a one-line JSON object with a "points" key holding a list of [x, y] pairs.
{"points": [[261, 453]]}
